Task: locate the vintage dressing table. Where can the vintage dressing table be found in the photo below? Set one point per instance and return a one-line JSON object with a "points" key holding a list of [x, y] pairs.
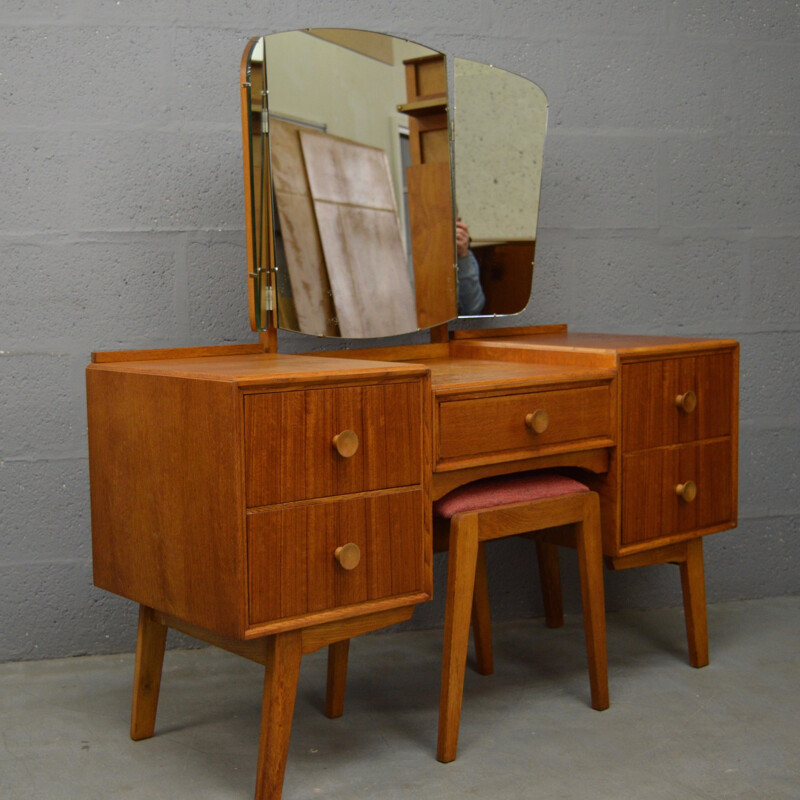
{"points": [[272, 504]]}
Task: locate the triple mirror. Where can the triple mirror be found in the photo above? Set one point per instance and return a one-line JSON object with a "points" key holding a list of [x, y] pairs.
{"points": [[380, 201]]}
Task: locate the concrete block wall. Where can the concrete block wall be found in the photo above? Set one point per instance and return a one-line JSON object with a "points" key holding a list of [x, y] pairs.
{"points": [[671, 204]]}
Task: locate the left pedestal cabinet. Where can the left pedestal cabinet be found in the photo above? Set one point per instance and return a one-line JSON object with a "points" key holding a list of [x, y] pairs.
{"points": [[268, 504]]}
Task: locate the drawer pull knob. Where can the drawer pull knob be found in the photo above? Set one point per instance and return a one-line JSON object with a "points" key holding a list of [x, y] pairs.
{"points": [[686, 491], [538, 420], [348, 555], [346, 443], [687, 401]]}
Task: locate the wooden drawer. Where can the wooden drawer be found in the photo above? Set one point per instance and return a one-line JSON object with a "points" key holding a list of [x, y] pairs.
{"points": [[650, 389], [292, 569], [497, 424], [289, 451], [651, 508]]}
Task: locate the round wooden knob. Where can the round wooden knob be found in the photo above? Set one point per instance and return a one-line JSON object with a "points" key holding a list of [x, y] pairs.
{"points": [[687, 401], [346, 443], [686, 491], [538, 420], [348, 555]]}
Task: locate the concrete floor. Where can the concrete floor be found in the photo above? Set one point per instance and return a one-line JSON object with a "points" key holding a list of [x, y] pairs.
{"points": [[730, 730]]}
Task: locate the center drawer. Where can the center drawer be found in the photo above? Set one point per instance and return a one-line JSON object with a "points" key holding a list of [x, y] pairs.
{"points": [[292, 554], [478, 426], [291, 446]]}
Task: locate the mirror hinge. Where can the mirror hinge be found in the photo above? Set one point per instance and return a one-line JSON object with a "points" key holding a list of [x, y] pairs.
{"points": [[268, 303], [265, 121]]}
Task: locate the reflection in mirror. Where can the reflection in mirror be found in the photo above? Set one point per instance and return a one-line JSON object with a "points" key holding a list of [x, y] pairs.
{"points": [[499, 122], [350, 203]]}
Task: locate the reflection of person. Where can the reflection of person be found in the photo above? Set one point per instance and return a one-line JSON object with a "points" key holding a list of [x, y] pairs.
{"points": [[471, 298]]}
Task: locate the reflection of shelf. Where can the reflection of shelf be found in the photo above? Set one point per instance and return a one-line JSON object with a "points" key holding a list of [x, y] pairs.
{"points": [[421, 108]]}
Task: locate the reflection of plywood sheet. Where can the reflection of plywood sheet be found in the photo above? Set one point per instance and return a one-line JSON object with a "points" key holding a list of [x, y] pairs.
{"points": [[305, 261], [306, 264], [360, 233], [367, 270], [340, 171]]}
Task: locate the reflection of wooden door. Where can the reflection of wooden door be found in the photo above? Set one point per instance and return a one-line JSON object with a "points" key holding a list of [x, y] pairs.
{"points": [[506, 275], [354, 204], [430, 200]]}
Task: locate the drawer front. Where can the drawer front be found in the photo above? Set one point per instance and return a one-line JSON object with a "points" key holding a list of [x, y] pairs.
{"points": [[651, 413], [497, 424], [651, 505], [292, 566], [289, 441]]}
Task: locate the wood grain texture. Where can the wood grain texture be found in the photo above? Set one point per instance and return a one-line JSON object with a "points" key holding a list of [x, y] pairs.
{"points": [[651, 416], [494, 424], [119, 356], [354, 204], [572, 520], [432, 224], [289, 441], [291, 560], [268, 370], [151, 639], [281, 673], [367, 270], [693, 584], [650, 507], [167, 521], [308, 275]]}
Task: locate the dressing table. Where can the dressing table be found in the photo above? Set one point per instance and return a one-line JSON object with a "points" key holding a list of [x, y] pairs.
{"points": [[273, 504]]}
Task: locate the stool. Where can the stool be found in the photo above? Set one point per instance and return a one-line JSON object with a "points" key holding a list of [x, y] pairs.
{"points": [[566, 513]]}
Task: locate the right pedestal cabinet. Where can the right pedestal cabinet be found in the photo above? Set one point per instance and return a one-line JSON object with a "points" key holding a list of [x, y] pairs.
{"points": [[672, 476]]}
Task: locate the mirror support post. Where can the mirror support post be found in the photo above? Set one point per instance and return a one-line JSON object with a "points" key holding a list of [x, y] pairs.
{"points": [[268, 339], [440, 334]]}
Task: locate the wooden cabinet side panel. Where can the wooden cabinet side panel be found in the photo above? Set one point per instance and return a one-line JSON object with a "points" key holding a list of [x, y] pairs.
{"points": [[166, 473]]}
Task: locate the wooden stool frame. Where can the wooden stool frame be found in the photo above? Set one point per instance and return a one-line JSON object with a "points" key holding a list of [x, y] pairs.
{"points": [[571, 520]]}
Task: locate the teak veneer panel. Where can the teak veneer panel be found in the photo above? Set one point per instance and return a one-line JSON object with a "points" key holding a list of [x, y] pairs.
{"points": [[167, 492], [289, 450], [292, 569], [651, 509], [651, 416], [495, 424]]}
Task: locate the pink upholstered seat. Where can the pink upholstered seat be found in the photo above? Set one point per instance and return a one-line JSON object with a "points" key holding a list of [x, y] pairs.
{"points": [[504, 490]]}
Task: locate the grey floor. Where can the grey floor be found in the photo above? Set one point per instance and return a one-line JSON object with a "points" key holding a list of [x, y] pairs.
{"points": [[730, 730]]}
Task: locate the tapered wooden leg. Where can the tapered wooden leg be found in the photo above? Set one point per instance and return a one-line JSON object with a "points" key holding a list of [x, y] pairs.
{"points": [[693, 583], [590, 563], [460, 584], [337, 678], [151, 638], [283, 654], [482, 616], [550, 580]]}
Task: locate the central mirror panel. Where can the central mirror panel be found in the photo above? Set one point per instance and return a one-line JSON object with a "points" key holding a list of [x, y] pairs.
{"points": [[356, 227], [352, 194]]}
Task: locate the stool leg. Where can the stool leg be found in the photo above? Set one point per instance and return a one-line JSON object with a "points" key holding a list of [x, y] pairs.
{"points": [[337, 678], [550, 580], [693, 583], [460, 584], [151, 638], [482, 616], [590, 562]]}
